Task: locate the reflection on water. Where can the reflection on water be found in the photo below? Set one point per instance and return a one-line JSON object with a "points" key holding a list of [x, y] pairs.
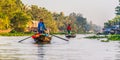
{"points": [[41, 52], [77, 48], [118, 52]]}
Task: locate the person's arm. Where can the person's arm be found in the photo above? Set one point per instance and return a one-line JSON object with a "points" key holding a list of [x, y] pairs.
{"points": [[44, 26], [38, 25]]}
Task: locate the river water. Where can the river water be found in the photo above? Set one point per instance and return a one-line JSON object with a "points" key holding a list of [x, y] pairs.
{"points": [[77, 48]]}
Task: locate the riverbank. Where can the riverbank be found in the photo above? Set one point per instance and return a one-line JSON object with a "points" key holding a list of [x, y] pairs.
{"points": [[28, 33], [24, 34], [17, 34]]}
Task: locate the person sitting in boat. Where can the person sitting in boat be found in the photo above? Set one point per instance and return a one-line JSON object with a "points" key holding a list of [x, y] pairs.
{"points": [[41, 26], [69, 29]]}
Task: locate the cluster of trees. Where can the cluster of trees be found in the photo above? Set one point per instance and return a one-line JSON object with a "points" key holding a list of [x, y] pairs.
{"points": [[12, 15], [16, 16], [115, 20]]}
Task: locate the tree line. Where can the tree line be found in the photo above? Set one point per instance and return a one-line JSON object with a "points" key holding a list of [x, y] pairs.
{"points": [[115, 21], [112, 22], [16, 16]]}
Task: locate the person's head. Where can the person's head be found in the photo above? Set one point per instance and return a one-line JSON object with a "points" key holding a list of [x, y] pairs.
{"points": [[41, 20], [68, 24]]}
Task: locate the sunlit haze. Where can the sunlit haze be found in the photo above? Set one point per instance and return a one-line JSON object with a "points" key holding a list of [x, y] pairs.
{"points": [[97, 11]]}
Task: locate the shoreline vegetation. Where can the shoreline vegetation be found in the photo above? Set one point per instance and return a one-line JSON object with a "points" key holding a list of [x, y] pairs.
{"points": [[27, 33], [17, 34], [115, 37]]}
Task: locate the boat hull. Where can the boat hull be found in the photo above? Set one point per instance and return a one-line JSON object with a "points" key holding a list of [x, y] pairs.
{"points": [[70, 36], [42, 39]]}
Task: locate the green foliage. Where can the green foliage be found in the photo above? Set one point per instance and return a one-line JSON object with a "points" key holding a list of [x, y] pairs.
{"points": [[4, 22], [16, 34], [79, 22], [13, 31], [15, 15], [7, 10], [114, 21], [61, 21], [19, 21], [114, 37], [105, 40], [96, 36], [59, 33], [9, 7], [109, 37]]}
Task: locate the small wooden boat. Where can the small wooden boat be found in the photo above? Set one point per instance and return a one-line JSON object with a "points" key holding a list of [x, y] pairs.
{"points": [[42, 39], [70, 36]]}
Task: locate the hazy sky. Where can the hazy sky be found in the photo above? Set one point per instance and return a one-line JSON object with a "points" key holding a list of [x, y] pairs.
{"points": [[97, 11]]}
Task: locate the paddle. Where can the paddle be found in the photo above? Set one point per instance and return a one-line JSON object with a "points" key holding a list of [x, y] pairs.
{"points": [[60, 37], [24, 39]]}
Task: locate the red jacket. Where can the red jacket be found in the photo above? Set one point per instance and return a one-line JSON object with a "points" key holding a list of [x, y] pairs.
{"points": [[68, 28]]}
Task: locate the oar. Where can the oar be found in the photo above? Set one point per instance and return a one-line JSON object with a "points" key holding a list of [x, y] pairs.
{"points": [[60, 37], [24, 39]]}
